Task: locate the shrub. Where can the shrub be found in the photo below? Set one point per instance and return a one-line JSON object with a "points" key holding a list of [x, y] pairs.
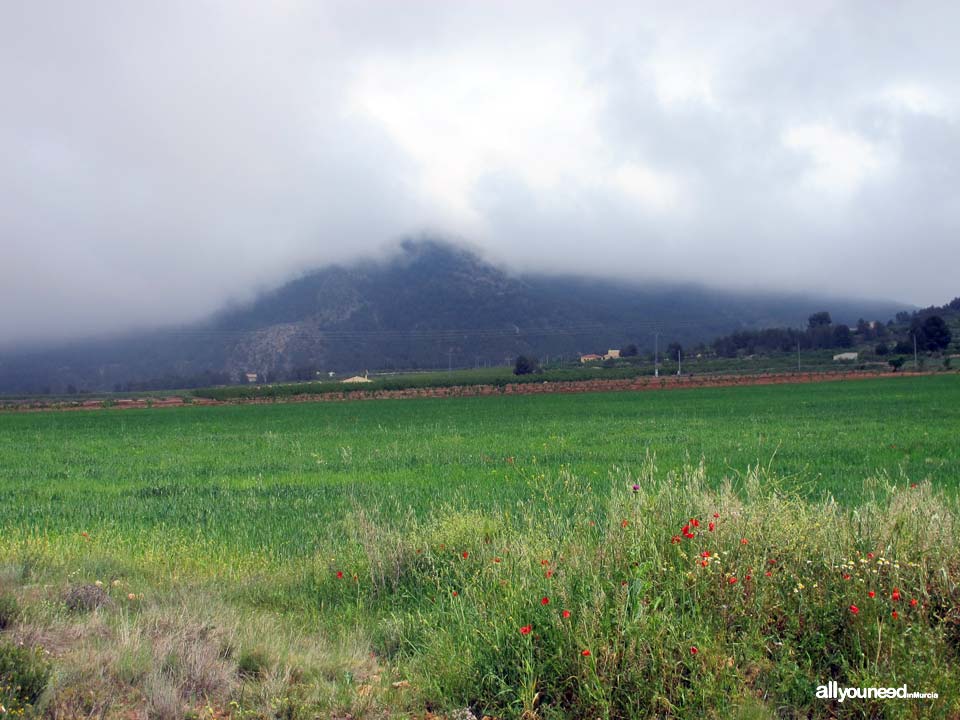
{"points": [[253, 663], [24, 674], [9, 610]]}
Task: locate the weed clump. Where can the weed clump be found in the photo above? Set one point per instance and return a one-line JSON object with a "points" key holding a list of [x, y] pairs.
{"points": [[253, 663], [85, 598], [24, 674], [9, 610]]}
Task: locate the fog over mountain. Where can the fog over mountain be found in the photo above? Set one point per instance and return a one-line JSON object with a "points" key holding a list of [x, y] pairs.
{"points": [[161, 159]]}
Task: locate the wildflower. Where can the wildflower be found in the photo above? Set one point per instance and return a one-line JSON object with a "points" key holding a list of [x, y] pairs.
{"points": [[99, 583], [705, 553], [544, 600], [624, 523], [694, 522], [548, 574], [585, 653], [525, 630], [694, 650], [496, 559], [732, 580], [565, 614], [455, 593], [869, 556], [913, 602], [894, 615], [748, 578], [871, 594], [131, 596], [716, 516], [711, 527], [913, 486], [704, 563], [115, 583], [768, 573], [675, 539], [846, 576], [685, 529], [339, 574], [636, 488], [465, 554], [544, 562], [854, 609], [743, 541], [895, 595]]}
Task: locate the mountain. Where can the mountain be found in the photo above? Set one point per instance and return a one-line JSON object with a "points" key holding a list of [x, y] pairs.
{"points": [[431, 305]]}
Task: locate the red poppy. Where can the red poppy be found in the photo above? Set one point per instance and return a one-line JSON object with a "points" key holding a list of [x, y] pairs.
{"points": [[854, 609], [716, 515], [705, 553], [704, 563], [585, 653], [768, 573], [525, 630], [544, 600], [694, 522], [711, 527], [913, 602], [743, 541], [913, 485], [694, 650], [894, 615], [675, 539], [548, 574], [689, 535], [895, 595], [455, 593], [465, 554], [846, 576], [624, 523], [748, 578], [870, 556], [544, 562], [732, 580], [339, 574], [871, 594], [496, 559], [685, 529], [565, 614]]}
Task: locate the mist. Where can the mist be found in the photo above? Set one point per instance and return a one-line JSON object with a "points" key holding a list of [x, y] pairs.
{"points": [[163, 159]]}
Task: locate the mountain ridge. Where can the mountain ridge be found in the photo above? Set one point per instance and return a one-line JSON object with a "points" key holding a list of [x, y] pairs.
{"points": [[432, 304]]}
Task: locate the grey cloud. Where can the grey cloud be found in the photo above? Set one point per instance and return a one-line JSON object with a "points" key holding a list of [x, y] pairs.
{"points": [[161, 159]]}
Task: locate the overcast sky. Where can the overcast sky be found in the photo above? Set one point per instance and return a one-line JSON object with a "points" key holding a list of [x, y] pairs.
{"points": [[159, 158]]}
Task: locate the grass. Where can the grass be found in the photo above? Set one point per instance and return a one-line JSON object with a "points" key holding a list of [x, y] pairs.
{"points": [[256, 556]]}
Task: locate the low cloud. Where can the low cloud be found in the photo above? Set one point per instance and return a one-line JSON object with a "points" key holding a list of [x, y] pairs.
{"points": [[161, 159]]}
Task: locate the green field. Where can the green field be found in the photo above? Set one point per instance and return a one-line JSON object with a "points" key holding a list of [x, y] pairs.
{"points": [[451, 513]]}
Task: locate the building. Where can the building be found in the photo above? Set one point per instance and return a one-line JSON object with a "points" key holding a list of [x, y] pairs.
{"points": [[612, 354], [846, 356], [590, 358], [251, 377], [357, 379]]}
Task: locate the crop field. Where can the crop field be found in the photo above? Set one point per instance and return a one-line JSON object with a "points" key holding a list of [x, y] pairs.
{"points": [[696, 553]]}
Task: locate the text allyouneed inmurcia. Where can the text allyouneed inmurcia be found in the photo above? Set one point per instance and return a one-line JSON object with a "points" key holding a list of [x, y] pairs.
{"points": [[833, 691]]}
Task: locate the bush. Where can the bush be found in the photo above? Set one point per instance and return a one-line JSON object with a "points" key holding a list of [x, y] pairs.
{"points": [[253, 663], [525, 366], [24, 674], [9, 610]]}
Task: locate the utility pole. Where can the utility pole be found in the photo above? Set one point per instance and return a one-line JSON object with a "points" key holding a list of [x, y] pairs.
{"points": [[679, 367], [916, 362], [656, 354], [798, 356], [449, 359]]}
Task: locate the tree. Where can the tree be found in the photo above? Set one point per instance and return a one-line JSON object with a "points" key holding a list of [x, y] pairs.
{"points": [[954, 304], [629, 351], [819, 319], [896, 363], [525, 366], [842, 337], [933, 334]]}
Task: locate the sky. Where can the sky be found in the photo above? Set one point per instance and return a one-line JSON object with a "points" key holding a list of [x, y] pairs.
{"points": [[160, 159]]}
